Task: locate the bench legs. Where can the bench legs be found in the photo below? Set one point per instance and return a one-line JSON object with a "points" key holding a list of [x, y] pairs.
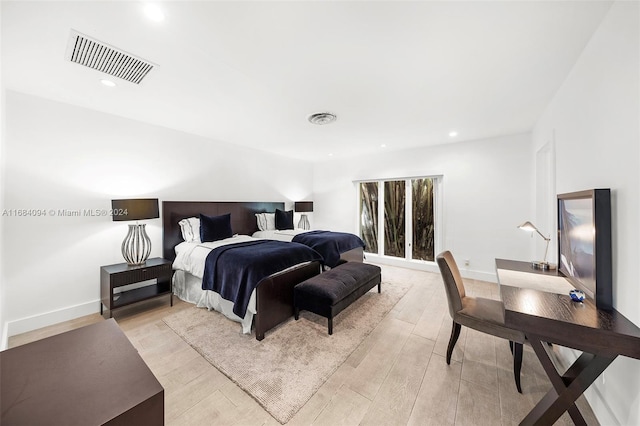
{"points": [[296, 312], [296, 315], [360, 291]]}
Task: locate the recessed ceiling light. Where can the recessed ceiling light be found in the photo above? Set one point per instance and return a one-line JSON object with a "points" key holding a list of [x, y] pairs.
{"points": [[321, 118], [153, 12], [108, 83], [330, 154], [453, 134], [384, 145]]}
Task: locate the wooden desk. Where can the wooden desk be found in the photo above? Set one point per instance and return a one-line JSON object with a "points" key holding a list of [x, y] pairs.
{"points": [[550, 317], [89, 376]]}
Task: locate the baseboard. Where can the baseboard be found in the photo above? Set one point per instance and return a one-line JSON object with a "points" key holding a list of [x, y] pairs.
{"points": [[35, 322], [421, 265], [595, 402], [598, 404], [4, 344]]}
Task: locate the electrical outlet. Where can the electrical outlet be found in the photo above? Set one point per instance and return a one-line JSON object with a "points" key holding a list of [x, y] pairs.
{"points": [[466, 262]]}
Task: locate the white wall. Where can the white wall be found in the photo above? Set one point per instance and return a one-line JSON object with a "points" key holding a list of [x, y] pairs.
{"points": [[3, 331], [58, 156], [486, 195], [595, 117]]}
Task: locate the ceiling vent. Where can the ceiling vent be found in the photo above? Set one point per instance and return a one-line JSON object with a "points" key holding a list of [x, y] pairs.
{"points": [[100, 56], [321, 118]]}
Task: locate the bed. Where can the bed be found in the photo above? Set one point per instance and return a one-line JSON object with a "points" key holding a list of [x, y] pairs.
{"points": [[273, 297], [335, 247]]}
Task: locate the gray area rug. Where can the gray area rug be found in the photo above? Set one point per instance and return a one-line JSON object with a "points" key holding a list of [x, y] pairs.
{"points": [[294, 360]]}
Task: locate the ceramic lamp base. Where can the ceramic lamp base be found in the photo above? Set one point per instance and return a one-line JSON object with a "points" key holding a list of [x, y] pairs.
{"points": [[304, 222], [136, 246]]}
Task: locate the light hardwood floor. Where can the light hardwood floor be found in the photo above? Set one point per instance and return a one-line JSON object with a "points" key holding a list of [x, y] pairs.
{"points": [[397, 376]]}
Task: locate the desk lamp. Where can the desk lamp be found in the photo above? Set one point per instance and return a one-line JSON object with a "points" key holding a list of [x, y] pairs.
{"points": [[136, 246], [536, 264]]}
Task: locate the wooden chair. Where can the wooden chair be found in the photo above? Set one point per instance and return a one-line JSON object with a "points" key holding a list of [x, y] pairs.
{"points": [[484, 315]]}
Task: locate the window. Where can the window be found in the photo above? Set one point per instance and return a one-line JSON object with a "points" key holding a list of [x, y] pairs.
{"points": [[369, 215], [408, 212], [394, 220], [422, 215]]}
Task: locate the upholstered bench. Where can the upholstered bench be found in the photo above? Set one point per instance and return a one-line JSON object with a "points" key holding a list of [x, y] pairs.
{"points": [[330, 292]]}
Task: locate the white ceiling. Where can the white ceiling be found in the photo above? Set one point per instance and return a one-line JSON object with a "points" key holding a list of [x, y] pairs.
{"points": [[403, 74]]}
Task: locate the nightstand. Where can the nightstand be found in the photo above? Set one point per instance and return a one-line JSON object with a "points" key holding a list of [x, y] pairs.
{"points": [[121, 274]]}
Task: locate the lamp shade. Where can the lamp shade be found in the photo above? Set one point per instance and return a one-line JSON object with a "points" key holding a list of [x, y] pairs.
{"points": [[528, 226], [135, 209], [303, 206]]}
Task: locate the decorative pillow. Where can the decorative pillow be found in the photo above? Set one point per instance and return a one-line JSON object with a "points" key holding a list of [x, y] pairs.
{"points": [[261, 221], [190, 229], [271, 221], [214, 228], [284, 219], [266, 221]]}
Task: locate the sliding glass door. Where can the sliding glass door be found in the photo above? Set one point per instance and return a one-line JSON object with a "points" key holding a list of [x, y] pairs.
{"points": [[369, 215], [407, 228], [422, 219], [394, 218]]}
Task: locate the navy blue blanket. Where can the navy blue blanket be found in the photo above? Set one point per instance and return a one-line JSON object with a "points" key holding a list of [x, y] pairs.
{"points": [[234, 270], [329, 244]]}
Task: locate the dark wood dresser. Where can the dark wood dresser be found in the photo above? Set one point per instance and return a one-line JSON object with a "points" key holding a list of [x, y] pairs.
{"points": [[89, 376]]}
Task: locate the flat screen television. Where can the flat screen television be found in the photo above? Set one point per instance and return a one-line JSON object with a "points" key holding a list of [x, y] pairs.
{"points": [[584, 243]]}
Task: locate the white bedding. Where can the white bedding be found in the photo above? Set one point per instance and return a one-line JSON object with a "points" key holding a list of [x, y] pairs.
{"points": [[187, 280], [191, 257], [189, 288], [283, 235]]}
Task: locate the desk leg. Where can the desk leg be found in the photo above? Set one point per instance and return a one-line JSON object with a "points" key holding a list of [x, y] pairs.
{"points": [[557, 381], [566, 388]]}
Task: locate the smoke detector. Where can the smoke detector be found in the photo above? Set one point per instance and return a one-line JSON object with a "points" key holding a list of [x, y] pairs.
{"points": [[95, 54], [321, 118]]}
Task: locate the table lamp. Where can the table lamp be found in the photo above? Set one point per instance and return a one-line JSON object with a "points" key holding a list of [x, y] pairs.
{"points": [[136, 246], [304, 207], [544, 265]]}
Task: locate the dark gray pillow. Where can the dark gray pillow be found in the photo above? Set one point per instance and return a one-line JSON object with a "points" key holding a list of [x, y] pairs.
{"points": [[284, 219], [214, 228]]}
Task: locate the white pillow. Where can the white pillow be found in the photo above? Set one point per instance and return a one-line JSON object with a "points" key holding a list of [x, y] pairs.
{"points": [[190, 229], [266, 221], [270, 221], [261, 221]]}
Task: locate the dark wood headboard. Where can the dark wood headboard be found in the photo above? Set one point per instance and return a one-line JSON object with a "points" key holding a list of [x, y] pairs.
{"points": [[243, 219]]}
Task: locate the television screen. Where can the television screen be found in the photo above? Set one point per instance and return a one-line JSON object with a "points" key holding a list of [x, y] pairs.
{"points": [[584, 243], [577, 238]]}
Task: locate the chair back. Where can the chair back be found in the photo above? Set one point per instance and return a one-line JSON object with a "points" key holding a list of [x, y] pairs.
{"points": [[453, 285]]}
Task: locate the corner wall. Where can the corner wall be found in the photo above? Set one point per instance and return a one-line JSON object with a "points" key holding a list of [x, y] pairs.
{"points": [[61, 159], [3, 323], [594, 120]]}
